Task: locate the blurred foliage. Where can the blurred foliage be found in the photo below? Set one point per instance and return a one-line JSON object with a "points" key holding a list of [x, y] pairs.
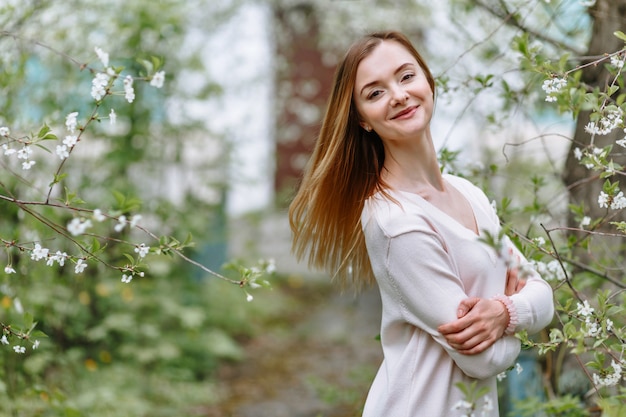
{"points": [[148, 348]]}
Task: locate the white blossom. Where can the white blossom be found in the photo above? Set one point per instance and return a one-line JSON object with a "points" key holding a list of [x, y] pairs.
{"points": [[462, 405], [62, 152], [487, 404], [518, 368], [611, 379], [603, 200], [549, 271], [586, 221], [129, 91], [98, 216], [8, 151], [121, 222], [616, 202], [80, 266], [271, 266], [621, 142], [112, 117], [26, 165], [591, 328], [619, 201], [617, 61], [19, 349], [158, 79], [555, 270], [127, 278], [102, 56], [25, 152], [4, 340], [135, 220], [70, 141], [584, 309], [587, 3], [539, 241], [59, 257], [578, 153], [36, 344], [77, 226], [612, 119], [4, 131], [142, 250], [70, 122], [553, 86], [39, 252], [99, 85], [17, 305], [9, 270]]}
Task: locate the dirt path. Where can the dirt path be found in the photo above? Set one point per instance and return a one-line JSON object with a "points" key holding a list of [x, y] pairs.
{"points": [[318, 364]]}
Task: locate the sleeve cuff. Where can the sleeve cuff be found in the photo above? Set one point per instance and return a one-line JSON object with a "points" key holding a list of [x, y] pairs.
{"points": [[510, 307]]}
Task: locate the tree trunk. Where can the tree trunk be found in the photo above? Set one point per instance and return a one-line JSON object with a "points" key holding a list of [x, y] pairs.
{"points": [[585, 185]]}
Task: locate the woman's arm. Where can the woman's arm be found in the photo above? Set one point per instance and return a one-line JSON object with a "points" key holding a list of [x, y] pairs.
{"points": [[480, 321], [418, 272]]}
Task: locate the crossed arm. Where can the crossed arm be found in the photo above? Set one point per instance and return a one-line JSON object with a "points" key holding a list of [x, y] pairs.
{"points": [[481, 322]]}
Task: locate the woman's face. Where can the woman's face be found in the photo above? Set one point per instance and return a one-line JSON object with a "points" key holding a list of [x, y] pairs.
{"points": [[392, 94]]}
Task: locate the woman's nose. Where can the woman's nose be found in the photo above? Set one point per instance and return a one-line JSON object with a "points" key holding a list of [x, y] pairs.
{"points": [[398, 95]]}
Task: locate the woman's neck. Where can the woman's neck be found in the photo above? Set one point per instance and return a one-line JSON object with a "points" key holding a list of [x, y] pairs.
{"points": [[412, 166]]}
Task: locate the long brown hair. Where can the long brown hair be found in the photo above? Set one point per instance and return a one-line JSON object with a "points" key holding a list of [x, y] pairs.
{"points": [[345, 169]]}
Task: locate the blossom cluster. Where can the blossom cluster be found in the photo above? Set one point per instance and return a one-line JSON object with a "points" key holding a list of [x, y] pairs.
{"points": [[469, 409], [502, 375], [550, 271], [616, 202], [23, 154], [611, 379], [618, 61], [591, 326], [71, 123], [17, 348], [39, 253], [612, 119], [553, 86], [100, 87], [103, 81]]}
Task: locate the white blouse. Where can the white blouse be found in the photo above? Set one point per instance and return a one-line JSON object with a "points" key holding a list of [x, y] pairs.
{"points": [[425, 263]]}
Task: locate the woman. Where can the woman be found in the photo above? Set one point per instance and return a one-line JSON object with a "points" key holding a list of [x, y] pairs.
{"points": [[374, 204]]}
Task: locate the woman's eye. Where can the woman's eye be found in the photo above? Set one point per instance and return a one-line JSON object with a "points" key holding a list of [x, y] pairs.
{"points": [[407, 76], [374, 94]]}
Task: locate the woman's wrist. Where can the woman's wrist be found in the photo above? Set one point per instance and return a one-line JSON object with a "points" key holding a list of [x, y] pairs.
{"points": [[510, 308]]}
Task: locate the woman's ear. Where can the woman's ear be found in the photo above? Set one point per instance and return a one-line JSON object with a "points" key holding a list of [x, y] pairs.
{"points": [[365, 126]]}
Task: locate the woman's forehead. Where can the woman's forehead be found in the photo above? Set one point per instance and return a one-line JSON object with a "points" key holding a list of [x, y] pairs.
{"points": [[385, 59]]}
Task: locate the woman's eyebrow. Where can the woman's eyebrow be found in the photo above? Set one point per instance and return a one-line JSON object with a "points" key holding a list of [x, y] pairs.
{"points": [[399, 69]]}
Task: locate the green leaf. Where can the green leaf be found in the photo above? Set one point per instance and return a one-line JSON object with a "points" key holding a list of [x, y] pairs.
{"points": [[45, 133], [95, 246], [620, 35]]}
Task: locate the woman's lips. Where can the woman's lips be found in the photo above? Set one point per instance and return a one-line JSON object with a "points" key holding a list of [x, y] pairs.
{"points": [[406, 113]]}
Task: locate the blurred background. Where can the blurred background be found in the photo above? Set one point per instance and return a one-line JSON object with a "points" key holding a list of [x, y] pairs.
{"points": [[218, 153]]}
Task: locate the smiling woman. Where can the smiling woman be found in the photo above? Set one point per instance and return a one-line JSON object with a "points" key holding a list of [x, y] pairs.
{"points": [[374, 206], [391, 87]]}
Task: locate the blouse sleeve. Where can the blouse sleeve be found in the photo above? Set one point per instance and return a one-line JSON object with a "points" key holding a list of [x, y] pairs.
{"points": [[534, 303], [420, 276]]}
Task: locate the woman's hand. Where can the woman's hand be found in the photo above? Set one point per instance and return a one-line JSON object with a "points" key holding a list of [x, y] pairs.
{"points": [[514, 284], [481, 322]]}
